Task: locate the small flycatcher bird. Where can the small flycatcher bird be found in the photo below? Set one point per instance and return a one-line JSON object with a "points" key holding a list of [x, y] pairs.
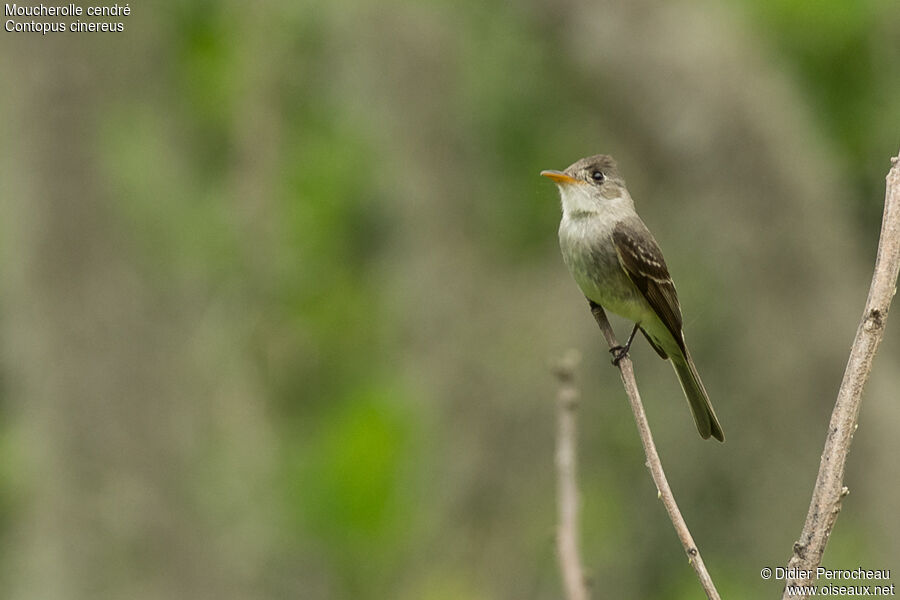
{"points": [[618, 265]]}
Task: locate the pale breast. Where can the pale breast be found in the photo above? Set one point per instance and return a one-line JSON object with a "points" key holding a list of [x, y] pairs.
{"points": [[588, 251]]}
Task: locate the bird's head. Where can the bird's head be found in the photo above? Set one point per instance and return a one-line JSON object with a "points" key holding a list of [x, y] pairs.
{"points": [[589, 183]]}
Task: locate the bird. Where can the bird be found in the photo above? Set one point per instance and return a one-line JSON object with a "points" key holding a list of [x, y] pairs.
{"points": [[619, 266]]}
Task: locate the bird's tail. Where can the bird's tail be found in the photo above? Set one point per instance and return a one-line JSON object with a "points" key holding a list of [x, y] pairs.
{"points": [[704, 415]]}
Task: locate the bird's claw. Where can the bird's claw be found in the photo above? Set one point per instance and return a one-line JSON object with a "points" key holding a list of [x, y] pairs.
{"points": [[618, 353]]}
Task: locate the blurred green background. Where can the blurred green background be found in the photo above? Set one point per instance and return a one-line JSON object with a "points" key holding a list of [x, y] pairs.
{"points": [[281, 287]]}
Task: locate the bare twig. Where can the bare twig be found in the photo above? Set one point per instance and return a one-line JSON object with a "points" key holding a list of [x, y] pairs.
{"points": [[567, 489], [656, 470], [829, 489]]}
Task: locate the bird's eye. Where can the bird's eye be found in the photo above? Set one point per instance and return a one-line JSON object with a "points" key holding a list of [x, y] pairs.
{"points": [[598, 176]]}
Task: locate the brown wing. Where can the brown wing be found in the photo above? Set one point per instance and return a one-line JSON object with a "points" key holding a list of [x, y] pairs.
{"points": [[640, 256]]}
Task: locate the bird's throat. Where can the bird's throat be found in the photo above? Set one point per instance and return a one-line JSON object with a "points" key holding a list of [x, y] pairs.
{"points": [[576, 199], [580, 201]]}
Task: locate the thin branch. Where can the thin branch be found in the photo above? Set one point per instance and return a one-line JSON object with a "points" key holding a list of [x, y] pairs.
{"points": [[829, 490], [566, 487], [656, 470]]}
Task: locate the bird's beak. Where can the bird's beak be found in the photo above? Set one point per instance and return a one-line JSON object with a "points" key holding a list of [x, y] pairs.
{"points": [[559, 177]]}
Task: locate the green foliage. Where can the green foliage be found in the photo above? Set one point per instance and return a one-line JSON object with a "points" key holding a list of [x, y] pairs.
{"points": [[349, 485], [840, 52], [509, 77], [205, 60], [182, 226], [349, 488]]}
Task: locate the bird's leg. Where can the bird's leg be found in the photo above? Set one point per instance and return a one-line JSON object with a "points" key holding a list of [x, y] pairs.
{"points": [[620, 352]]}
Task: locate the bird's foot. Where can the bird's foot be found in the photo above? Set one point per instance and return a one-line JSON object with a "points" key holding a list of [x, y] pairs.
{"points": [[618, 353]]}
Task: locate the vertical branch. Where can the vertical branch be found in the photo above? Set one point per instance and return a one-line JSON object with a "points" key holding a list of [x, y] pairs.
{"points": [[567, 488], [653, 462], [829, 489]]}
